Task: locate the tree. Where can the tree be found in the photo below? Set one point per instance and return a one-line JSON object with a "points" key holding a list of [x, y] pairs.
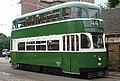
{"points": [[113, 3], [4, 42]]}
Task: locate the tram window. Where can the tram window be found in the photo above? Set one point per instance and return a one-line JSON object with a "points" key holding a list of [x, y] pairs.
{"points": [[53, 15], [74, 12], [53, 44], [65, 13], [21, 46], [68, 43], [38, 19], [40, 42], [31, 20], [83, 13], [49, 14], [85, 41], [64, 43], [40, 47], [43, 18], [93, 13], [27, 21], [72, 43], [21, 24], [31, 42], [30, 47], [98, 41], [77, 43]]}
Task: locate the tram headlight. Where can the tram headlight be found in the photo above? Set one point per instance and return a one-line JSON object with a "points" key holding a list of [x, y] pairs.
{"points": [[99, 59], [95, 22]]}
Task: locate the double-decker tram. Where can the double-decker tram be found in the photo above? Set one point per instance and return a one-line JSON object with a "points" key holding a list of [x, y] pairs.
{"points": [[67, 38]]}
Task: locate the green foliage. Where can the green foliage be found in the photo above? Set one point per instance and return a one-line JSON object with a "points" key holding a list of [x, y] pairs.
{"points": [[113, 3], [4, 42]]}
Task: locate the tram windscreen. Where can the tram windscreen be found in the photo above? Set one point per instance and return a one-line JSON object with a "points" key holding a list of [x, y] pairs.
{"points": [[93, 13], [98, 41], [83, 13]]}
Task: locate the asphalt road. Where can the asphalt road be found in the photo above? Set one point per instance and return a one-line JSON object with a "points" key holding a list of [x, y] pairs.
{"points": [[9, 74]]}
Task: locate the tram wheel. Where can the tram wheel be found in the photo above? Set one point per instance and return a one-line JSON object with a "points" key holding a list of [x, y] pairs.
{"points": [[15, 66]]}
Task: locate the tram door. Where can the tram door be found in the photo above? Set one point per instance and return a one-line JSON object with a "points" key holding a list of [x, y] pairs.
{"points": [[69, 45]]}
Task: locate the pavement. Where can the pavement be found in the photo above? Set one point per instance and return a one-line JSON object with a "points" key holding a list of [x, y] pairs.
{"points": [[7, 60], [114, 74], [4, 60]]}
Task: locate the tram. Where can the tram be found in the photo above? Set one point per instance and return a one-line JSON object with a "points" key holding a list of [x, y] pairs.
{"points": [[68, 37]]}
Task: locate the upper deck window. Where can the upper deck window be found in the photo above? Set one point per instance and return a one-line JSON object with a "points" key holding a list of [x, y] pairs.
{"points": [[83, 13], [93, 13], [78, 13], [75, 12], [53, 15], [65, 13]]}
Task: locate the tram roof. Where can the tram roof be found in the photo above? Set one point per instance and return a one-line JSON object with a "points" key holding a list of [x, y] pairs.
{"points": [[63, 5]]}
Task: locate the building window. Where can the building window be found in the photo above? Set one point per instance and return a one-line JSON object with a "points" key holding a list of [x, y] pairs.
{"points": [[53, 44]]}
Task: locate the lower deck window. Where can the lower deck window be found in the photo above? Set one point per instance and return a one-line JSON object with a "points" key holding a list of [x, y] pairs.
{"points": [[71, 43], [21, 46], [98, 41], [85, 41], [40, 47], [30, 47], [53, 45]]}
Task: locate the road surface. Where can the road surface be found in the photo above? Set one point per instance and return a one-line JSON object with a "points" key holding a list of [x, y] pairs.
{"points": [[9, 74]]}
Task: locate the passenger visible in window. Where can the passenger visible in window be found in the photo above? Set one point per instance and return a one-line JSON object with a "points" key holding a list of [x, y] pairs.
{"points": [[38, 21], [32, 20]]}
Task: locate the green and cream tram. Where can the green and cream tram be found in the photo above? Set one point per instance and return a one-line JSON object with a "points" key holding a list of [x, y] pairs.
{"points": [[68, 37]]}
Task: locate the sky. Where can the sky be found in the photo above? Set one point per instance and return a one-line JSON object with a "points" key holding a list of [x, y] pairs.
{"points": [[11, 9]]}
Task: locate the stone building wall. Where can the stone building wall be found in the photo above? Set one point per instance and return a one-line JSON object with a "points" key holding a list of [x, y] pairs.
{"points": [[26, 6], [32, 5], [111, 19], [114, 56]]}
